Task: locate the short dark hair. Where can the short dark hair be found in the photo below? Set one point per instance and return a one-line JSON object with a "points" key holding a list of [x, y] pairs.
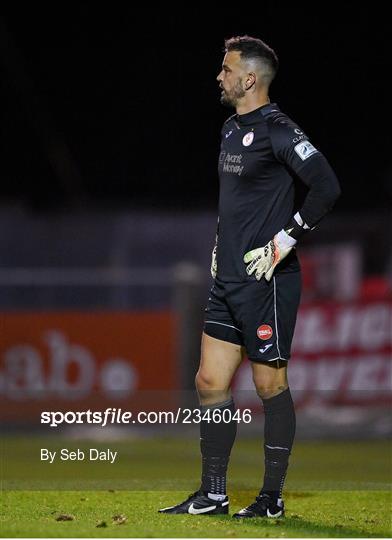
{"points": [[251, 48]]}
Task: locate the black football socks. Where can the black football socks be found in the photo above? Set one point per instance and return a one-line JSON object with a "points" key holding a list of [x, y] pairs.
{"points": [[217, 434], [279, 431]]}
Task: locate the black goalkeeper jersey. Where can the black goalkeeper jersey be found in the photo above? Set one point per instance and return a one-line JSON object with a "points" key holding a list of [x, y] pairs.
{"points": [[259, 153]]}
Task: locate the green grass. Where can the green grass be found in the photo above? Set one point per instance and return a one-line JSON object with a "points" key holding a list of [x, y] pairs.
{"points": [[173, 463], [315, 514], [334, 489]]}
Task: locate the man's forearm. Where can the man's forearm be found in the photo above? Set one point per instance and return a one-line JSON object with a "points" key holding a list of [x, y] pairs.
{"points": [[324, 190]]}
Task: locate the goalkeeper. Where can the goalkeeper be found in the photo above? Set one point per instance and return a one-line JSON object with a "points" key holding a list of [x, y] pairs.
{"points": [[253, 303]]}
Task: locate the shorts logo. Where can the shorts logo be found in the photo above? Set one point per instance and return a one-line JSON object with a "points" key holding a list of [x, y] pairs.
{"points": [[264, 332], [248, 139]]}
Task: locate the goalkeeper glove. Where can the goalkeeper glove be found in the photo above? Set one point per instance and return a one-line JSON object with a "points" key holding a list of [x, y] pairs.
{"points": [[263, 260]]}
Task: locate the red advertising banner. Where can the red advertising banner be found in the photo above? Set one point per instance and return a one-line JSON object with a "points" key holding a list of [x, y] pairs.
{"points": [[341, 355], [77, 360], [65, 359]]}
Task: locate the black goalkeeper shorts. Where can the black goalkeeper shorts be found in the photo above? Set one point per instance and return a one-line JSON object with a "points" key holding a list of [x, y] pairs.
{"points": [[258, 315]]}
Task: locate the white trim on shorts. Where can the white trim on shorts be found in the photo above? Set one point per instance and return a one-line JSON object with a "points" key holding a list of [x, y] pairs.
{"points": [[223, 324], [277, 358], [276, 325]]}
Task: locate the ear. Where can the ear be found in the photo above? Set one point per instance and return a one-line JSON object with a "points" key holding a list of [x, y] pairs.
{"points": [[250, 80]]}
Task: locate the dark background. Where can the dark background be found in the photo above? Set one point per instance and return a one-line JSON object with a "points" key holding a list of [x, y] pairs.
{"points": [[114, 106]]}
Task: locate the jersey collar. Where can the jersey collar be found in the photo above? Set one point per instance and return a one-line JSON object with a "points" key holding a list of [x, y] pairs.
{"points": [[256, 116]]}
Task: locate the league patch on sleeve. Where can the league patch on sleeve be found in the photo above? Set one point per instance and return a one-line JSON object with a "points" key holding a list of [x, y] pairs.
{"points": [[305, 149]]}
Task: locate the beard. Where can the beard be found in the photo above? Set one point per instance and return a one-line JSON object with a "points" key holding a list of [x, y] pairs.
{"points": [[231, 97]]}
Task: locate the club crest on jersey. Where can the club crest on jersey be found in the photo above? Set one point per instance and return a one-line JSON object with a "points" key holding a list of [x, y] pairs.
{"points": [[264, 332], [248, 138]]}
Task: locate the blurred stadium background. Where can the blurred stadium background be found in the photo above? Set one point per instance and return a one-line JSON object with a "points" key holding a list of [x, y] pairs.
{"points": [[108, 212]]}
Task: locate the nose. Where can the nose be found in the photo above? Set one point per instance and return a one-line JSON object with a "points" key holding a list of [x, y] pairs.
{"points": [[219, 77]]}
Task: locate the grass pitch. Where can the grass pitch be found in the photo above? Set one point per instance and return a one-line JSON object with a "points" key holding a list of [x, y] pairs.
{"points": [[333, 490]]}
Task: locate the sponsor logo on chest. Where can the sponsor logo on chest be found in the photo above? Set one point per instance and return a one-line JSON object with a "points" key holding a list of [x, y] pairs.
{"points": [[232, 163]]}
